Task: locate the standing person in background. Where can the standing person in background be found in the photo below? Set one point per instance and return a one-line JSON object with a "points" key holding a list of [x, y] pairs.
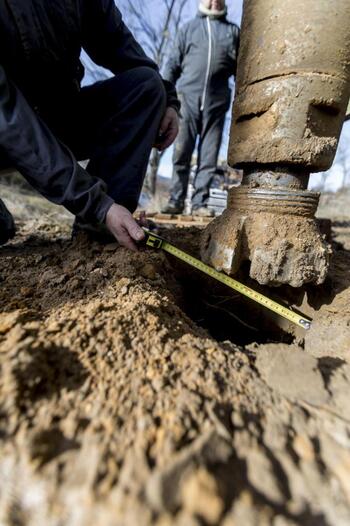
{"points": [[204, 58]]}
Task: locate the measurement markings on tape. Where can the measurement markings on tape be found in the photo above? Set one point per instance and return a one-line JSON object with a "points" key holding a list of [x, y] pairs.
{"points": [[155, 241]]}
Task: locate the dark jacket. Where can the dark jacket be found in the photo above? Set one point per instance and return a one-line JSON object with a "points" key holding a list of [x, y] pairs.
{"points": [[203, 59], [40, 45]]}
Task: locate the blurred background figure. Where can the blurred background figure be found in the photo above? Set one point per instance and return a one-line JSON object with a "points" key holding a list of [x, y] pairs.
{"points": [[203, 60]]}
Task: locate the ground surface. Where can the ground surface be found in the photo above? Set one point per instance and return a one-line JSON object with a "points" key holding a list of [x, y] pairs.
{"points": [[119, 407]]}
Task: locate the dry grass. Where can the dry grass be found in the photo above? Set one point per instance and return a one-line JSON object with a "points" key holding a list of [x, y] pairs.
{"points": [[25, 203], [335, 205]]}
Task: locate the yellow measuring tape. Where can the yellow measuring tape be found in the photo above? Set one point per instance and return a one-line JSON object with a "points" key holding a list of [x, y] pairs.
{"points": [[155, 241]]}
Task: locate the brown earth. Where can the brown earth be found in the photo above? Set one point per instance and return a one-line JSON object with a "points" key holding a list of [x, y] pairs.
{"points": [[119, 407]]}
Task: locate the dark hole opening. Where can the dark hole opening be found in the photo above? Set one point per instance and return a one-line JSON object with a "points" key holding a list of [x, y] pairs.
{"points": [[226, 314]]}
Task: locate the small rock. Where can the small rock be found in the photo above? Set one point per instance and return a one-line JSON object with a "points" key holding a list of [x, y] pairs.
{"points": [[111, 247], [60, 280], [200, 496], [149, 271], [48, 275], [32, 326], [122, 284], [27, 292], [74, 284], [237, 419], [70, 266], [8, 320], [157, 384], [53, 326], [303, 447]]}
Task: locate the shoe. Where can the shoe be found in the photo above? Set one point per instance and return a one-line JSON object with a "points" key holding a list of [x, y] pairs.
{"points": [[172, 209], [97, 232], [203, 211], [7, 224]]}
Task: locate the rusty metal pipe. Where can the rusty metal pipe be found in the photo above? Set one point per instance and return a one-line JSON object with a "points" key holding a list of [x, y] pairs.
{"points": [[276, 176], [293, 83], [292, 91]]}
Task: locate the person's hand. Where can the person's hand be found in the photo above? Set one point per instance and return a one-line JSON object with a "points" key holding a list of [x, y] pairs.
{"points": [[123, 226], [169, 128]]}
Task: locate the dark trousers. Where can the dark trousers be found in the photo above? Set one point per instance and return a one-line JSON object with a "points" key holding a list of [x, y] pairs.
{"points": [[208, 126], [114, 124]]}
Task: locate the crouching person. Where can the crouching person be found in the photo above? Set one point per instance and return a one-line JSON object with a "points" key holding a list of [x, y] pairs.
{"points": [[48, 122]]}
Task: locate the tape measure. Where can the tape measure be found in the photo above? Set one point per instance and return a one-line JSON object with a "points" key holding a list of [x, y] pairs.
{"points": [[155, 241]]}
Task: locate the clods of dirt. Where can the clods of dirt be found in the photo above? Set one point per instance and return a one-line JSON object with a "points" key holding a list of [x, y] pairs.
{"points": [[117, 408]]}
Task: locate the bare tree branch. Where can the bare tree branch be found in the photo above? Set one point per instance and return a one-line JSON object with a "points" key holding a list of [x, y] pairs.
{"points": [[155, 24], [165, 29]]}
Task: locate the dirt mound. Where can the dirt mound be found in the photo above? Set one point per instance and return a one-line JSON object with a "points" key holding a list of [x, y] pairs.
{"points": [[118, 408]]}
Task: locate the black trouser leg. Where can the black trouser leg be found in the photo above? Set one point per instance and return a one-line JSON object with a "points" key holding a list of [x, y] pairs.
{"points": [[208, 152], [137, 102], [183, 151], [7, 224], [115, 126]]}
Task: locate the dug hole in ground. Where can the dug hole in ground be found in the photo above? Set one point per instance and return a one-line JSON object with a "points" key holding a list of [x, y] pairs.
{"points": [[135, 391]]}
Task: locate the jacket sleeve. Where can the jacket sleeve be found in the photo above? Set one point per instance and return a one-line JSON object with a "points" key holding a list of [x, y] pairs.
{"points": [[173, 67], [110, 44], [47, 165], [235, 48]]}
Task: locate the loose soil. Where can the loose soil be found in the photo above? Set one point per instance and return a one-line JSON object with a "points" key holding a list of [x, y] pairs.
{"points": [[136, 392]]}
